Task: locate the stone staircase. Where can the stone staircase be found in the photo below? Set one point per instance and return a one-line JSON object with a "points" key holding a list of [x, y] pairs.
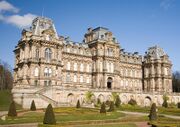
{"points": [[41, 92]]}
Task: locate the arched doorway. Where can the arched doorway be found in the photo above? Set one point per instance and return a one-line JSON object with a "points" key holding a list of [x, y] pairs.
{"points": [[109, 83]]}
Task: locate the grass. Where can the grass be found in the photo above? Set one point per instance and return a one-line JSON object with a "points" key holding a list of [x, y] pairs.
{"points": [[161, 110], [102, 125], [64, 115], [5, 100]]}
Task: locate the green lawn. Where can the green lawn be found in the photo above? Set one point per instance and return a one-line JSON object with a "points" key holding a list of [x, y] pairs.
{"points": [[5, 100], [161, 110], [63, 115]]}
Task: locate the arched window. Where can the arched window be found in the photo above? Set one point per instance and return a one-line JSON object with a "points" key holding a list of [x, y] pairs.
{"points": [[75, 66], [36, 72], [48, 54]]}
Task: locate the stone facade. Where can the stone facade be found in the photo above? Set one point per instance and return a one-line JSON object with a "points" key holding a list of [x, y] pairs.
{"points": [[53, 69]]}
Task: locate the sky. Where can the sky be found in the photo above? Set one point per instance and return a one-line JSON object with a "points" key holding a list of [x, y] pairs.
{"points": [[137, 24]]}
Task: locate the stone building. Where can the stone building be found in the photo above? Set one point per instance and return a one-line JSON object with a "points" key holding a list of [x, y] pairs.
{"points": [[53, 69]]}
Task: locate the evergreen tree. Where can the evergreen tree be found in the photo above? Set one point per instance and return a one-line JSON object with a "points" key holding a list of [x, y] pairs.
{"points": [[33, 106], [153, 112], [78, 104], [103, 108], [12, 109], [49, 117], [117, 102], [111, 107]]}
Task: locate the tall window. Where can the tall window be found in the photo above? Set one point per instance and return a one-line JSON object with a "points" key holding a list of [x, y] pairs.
{"points": [[112, 67], [88, 80], [110, 52], [81, 67], [87, 68], [100, 67], [68, 66], [35, 82], [37, 53], [47, 72], [81, 78], [68, 78], [48, 54], [75, 66], [75, 77], [36, 72]]}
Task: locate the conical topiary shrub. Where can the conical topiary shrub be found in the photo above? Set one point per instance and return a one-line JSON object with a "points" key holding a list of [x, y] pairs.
{"points": [[117, 102], [153, 112], [111, 107], [103, 108], [49, 117], [78, 104], [178, 104], [12, 110], [33, 106]]}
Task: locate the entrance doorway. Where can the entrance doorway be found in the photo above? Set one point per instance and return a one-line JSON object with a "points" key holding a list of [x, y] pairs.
{"points": [[109, 83]]}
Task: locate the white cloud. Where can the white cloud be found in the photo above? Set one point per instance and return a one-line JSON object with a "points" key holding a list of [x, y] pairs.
{"points": [[18, 20], [5, 6], [166, 4], [21, 21]]}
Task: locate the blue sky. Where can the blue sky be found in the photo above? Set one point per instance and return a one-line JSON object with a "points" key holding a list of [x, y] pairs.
{"points": [[137, 24]]}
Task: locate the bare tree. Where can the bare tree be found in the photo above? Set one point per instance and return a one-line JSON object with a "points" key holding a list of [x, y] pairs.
{"points": [[6, 78]]}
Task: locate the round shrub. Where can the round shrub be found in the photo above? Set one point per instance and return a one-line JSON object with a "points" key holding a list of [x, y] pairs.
{"points": [[49, 117], [132, 102], [33, 106], [153, 112], [103, 108], [12, 110]]}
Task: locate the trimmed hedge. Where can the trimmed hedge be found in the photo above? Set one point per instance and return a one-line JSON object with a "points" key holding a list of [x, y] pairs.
{"points": [[111, 107], [33, 106], [103, 108], [49, 117], [78, 104], [178, 104], [153, 112], [12, 110]]}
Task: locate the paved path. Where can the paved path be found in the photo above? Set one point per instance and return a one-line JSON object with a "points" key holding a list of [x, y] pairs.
{"points": [[145, 114], [2, 113], [21, 125]]}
